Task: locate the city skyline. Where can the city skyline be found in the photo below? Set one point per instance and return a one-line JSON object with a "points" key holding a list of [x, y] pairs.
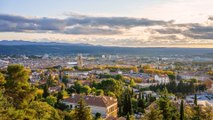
{"points": [[156, 23]]}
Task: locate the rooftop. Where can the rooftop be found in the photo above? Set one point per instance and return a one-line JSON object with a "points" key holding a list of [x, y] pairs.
{"points": [[101, 101]]}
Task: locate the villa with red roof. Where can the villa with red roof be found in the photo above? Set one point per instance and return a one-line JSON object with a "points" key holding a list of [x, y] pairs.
{"points": [[105, 105]]}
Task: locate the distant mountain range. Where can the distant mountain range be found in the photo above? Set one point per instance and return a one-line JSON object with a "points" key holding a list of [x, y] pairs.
{"points": [[21, 42], [19, 47]]}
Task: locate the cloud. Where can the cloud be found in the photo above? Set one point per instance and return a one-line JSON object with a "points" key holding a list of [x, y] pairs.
{"points": [[188, 30], [88, 30], [11, 23], [169, 31], [200, 32], [210, 18]]}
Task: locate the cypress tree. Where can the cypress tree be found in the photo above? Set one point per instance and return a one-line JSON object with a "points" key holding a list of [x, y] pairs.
{"points": [[127, 117], [45, 93], [181, 111], [195, 99], [127, 108]]}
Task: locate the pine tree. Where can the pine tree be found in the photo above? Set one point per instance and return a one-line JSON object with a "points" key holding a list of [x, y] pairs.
{"points": [[165, 105], [181, 111], [82, 111], [17, 86]]}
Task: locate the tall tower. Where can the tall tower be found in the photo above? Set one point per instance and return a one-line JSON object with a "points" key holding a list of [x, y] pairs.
{"points": [[80, 61]]}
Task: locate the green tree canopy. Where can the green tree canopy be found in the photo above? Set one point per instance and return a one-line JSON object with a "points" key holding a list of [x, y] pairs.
{"points": [[17, 87], [51, 100]]}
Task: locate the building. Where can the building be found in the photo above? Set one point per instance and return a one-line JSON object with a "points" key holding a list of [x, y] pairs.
{"points": [[162, 79], [80, 61], [105, 105]]}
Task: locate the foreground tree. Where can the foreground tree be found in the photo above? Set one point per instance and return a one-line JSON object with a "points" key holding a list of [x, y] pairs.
{"points": [[17, 87], [42, 111], [82, 111], [2, 80], [153, 114], [165, 105]]}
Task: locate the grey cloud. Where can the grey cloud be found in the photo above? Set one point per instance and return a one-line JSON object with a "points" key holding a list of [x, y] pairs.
{"points": [[210, 18], [124, 22], [87, 30], [11, 23], [169, 31], [194, 31], [199, 32]]}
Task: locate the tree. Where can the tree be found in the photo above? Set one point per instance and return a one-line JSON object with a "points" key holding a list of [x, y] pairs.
{"points": [[181, 111], [97, 116], [85, 89], [127, 104], [141, 105], [65, 79], [111, 85], [127, 116], [207, 113], [17, 87], [2, 80], [165, 106], [60, 96], [118, 77], [132, 83], [99, 92], [50, 80], [82, 111], [46, 91], [195, 99], [51, 100], [153, 114], [42, 111]]}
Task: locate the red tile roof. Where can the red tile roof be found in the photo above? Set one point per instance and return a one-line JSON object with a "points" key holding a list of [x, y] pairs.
{"points": [[101, 101]]}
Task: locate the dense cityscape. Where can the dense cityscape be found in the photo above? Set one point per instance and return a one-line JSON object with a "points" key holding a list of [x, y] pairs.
{"points": [[110, 87], [106, 60]]}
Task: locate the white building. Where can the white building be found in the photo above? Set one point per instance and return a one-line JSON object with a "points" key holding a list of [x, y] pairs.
{"points": [[161, 79]]}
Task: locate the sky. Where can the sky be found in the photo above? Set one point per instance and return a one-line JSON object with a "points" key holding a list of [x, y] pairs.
{"points": [[126, 23]]}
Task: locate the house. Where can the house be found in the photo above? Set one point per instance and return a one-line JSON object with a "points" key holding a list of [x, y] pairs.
{"points": [[161, 79], [99, 71], [105, 105], [35, 77], [54, 89]]}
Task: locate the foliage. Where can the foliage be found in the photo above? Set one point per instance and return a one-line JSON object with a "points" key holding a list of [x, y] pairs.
{"points": [[180, 88], [82, 111], [2, 80], [65, 79], [51, 100], [127, 103], [85, 89], [17, 87], [45, 91], [181, 110], [165, 105], [110, 85], [153, 114]]}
